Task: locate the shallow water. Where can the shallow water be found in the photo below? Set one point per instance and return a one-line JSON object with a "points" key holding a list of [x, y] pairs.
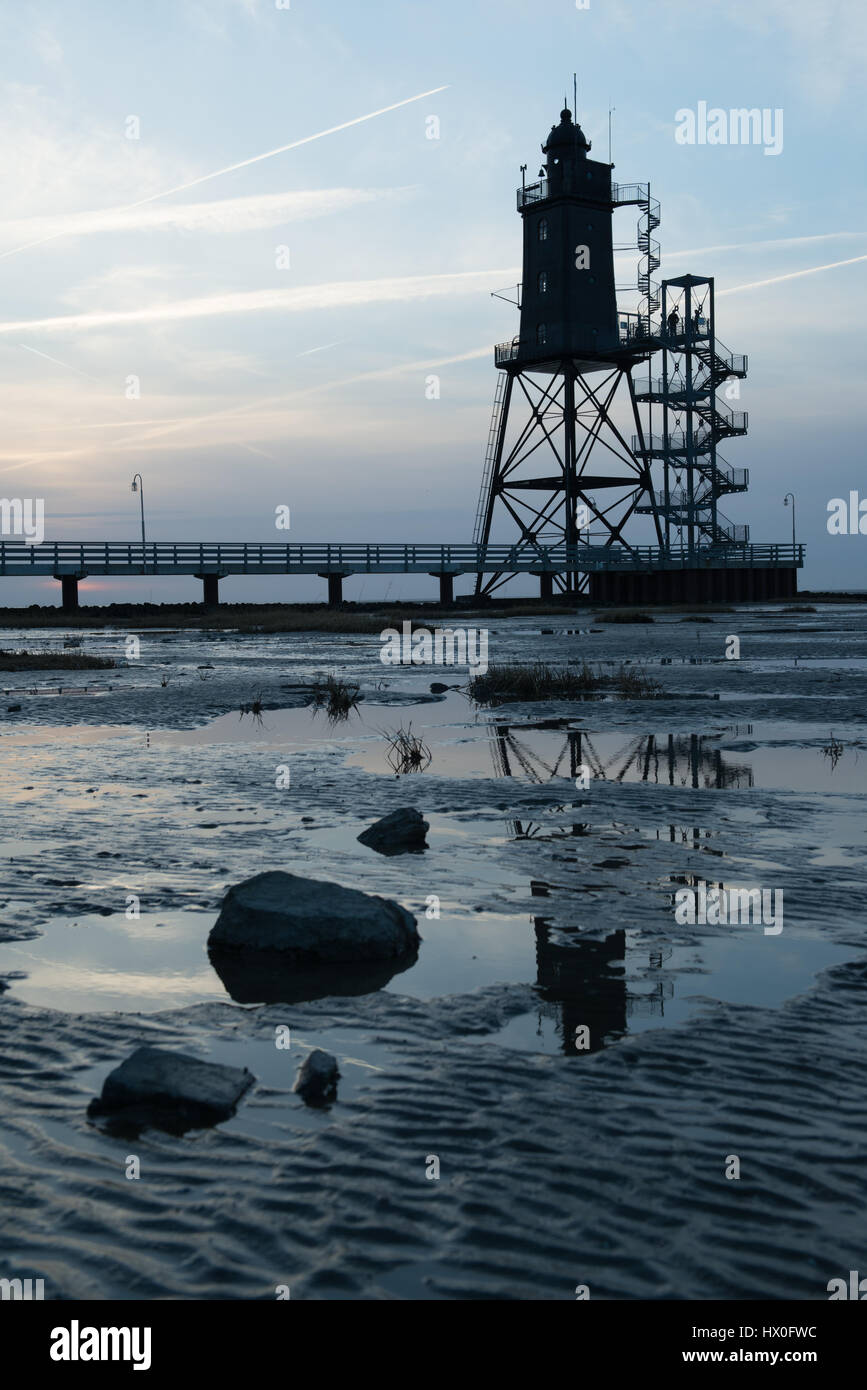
{"points": [[555, 901]]}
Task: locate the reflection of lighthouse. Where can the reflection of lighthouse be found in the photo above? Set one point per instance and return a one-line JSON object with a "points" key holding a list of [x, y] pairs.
{"points": [[582, 984]]}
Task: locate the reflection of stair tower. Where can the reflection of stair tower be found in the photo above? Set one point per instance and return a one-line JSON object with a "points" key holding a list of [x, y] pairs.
{"points": [[692, 421], [571, 364]]}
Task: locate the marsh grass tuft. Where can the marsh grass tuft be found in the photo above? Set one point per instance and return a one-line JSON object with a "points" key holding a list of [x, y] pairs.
{"points": [[53, 661], [407, 752], [501, 684], [337, 697], [833, 749], [254, 708]]}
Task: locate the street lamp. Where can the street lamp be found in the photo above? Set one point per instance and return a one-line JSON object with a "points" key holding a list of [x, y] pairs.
{"points": [[138, 486], [785, 504]]}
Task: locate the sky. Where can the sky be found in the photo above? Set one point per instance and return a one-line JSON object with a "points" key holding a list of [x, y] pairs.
{"points": [[231, 257]]}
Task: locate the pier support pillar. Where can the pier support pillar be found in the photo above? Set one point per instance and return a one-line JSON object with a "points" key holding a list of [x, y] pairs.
{"points": [[546, 585], [69, 592], [335, 586], [447, 587], [211, 590]]}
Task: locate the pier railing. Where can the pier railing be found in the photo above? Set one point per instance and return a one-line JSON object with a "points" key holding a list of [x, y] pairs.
{"points": [[80, 558]]}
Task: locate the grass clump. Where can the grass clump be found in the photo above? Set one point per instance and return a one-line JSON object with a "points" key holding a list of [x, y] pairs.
{"points": [[833, 749], [407, 752], [337, 697], [502, 684], [254, 708], [53, 661]]}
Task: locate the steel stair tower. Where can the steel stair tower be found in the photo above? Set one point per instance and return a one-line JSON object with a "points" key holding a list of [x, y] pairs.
{"points": [[692, 420]]}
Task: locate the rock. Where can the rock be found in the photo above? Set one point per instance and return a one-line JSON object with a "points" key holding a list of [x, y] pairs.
{"points": [[311, 922], [397, 833], [12, 709], [171, 1090], [316, 1082], [437, 688]]}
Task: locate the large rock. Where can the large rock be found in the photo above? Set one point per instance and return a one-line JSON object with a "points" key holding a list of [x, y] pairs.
{"points": [[400, 832], [311, 922], [316, 1082], [171, 1089]]}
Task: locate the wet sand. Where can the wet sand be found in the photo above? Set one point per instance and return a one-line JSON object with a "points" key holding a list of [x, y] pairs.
{"points": [[558, 1166]]}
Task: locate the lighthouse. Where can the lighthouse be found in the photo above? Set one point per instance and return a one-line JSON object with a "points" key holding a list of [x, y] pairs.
{"points": [[609, 470], [559, 465]]}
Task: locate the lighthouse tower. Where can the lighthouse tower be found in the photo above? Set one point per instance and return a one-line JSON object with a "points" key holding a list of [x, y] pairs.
{"points": [[560, 462]]}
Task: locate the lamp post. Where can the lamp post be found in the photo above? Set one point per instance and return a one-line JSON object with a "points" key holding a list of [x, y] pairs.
{"points": [[785, 504], [138, 486]]}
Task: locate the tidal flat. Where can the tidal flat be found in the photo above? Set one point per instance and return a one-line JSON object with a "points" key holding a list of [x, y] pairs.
{"points": [[583, 1066]]}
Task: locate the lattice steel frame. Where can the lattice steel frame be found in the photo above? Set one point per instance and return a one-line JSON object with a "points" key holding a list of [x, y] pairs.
{"points": [[569, 418]]}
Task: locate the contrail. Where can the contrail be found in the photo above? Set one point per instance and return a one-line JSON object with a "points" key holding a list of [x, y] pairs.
{"points": [[772, 242], [324, 348], [242, 164], [792, 275], [57, 362]]}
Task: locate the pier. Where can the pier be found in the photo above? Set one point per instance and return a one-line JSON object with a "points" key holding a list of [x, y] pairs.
{"points": [[607, 573]]}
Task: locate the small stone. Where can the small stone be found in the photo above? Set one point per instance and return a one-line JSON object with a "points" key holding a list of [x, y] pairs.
{"points": [[400, 832], [153, 1085], [316, 1082]]}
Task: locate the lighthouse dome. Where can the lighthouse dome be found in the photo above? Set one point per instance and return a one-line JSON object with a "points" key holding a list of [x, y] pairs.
{"points": [[566, 137]]}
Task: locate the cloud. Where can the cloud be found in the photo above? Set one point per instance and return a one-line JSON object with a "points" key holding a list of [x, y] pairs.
{"points": [[227, 215], [47, 46], [338, 294], [271, 418]]}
